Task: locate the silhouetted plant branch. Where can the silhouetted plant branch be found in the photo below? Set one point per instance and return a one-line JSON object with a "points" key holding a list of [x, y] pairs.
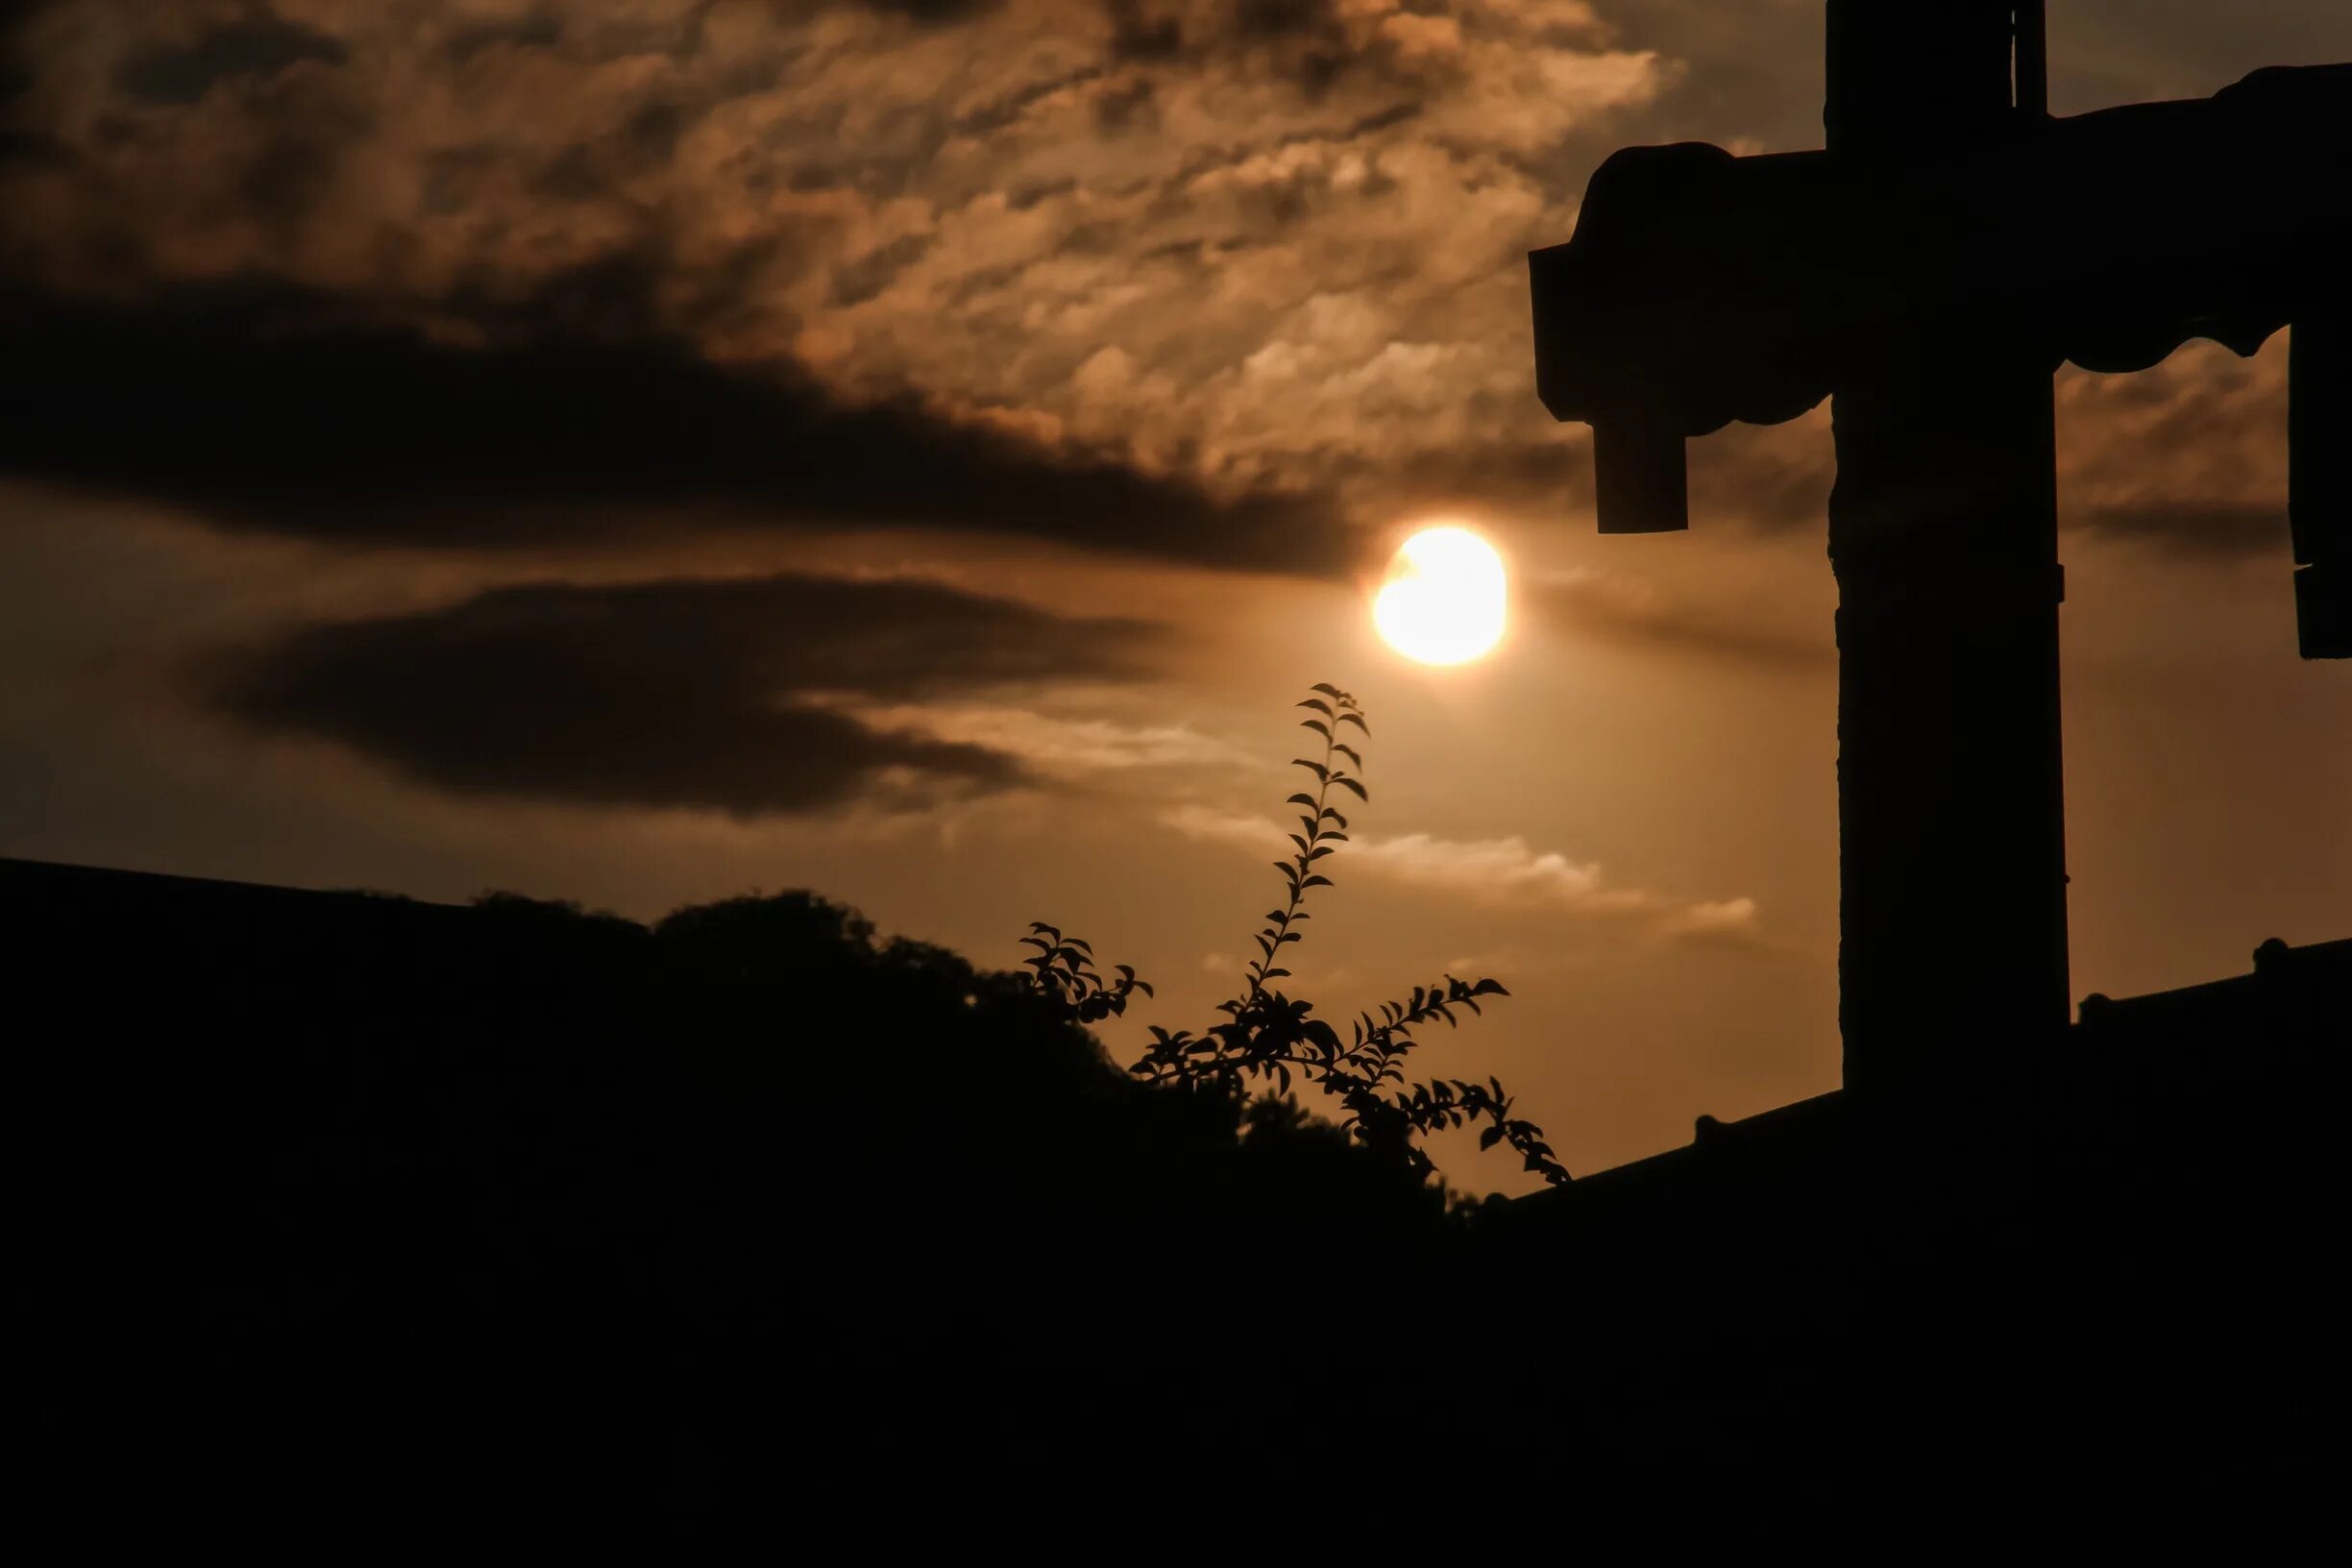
{"points": [[1065, 969], [1270, 1039]]}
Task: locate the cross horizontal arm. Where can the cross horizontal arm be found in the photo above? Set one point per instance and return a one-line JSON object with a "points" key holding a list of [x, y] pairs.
{"points": [[1701, 288]]}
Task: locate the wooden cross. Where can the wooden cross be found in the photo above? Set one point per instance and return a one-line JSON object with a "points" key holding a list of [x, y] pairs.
{"points": [[1928, 272]]}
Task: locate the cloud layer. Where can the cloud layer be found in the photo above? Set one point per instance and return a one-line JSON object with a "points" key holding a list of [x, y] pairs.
{"points": [[1237, 245], [1202, 257], [571, 415], [724, 695]]}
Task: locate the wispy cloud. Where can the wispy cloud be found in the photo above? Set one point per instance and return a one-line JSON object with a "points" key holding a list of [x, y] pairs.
{"points": [[1053, 744], [1729, 920], [1506, 872]]}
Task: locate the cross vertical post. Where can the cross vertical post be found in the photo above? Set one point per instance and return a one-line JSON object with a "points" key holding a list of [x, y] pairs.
{"points": [[1942, 533]]}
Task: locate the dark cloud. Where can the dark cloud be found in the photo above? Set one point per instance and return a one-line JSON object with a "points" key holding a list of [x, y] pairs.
{"points": [[1632, 613], [862, 277], [644, 140], [2207, 528], [1546, 475], [262, 47], [16, 73], [32, 147], [1284, 18], [931, 12], [1311, 43], [539, 31], [1771, 479], [261, 406], [1143, 32], [696, 694]]}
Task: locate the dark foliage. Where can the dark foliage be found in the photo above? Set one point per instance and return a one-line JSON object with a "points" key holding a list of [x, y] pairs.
{"points": [[424, 1216]]}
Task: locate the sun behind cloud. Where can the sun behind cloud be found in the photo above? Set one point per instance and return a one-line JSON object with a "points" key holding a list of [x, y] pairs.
{"points": [[1444, 599]]}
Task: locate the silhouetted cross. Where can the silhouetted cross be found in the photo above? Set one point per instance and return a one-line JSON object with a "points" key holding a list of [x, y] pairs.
{"points": [[1931, 270]]}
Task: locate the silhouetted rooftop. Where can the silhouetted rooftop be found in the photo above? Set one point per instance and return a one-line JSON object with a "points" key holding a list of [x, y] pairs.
{"points": [[425, 1146], [2262, 1030]]}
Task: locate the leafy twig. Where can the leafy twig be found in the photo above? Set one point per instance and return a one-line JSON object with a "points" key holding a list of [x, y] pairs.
{"points": [[1270, 1039]]}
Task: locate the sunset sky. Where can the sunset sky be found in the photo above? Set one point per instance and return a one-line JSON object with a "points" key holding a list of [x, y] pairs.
{"points": [[919, 450]]}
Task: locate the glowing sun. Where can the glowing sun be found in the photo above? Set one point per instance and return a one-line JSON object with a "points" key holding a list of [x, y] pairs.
{"points": [[1442, 602]]}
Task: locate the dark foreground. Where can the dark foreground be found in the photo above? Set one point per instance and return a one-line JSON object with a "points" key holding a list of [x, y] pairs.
{"points": [[359, 1226]]}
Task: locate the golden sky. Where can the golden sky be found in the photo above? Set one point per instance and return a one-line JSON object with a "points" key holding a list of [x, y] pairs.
{"points": [[919, 450]]}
